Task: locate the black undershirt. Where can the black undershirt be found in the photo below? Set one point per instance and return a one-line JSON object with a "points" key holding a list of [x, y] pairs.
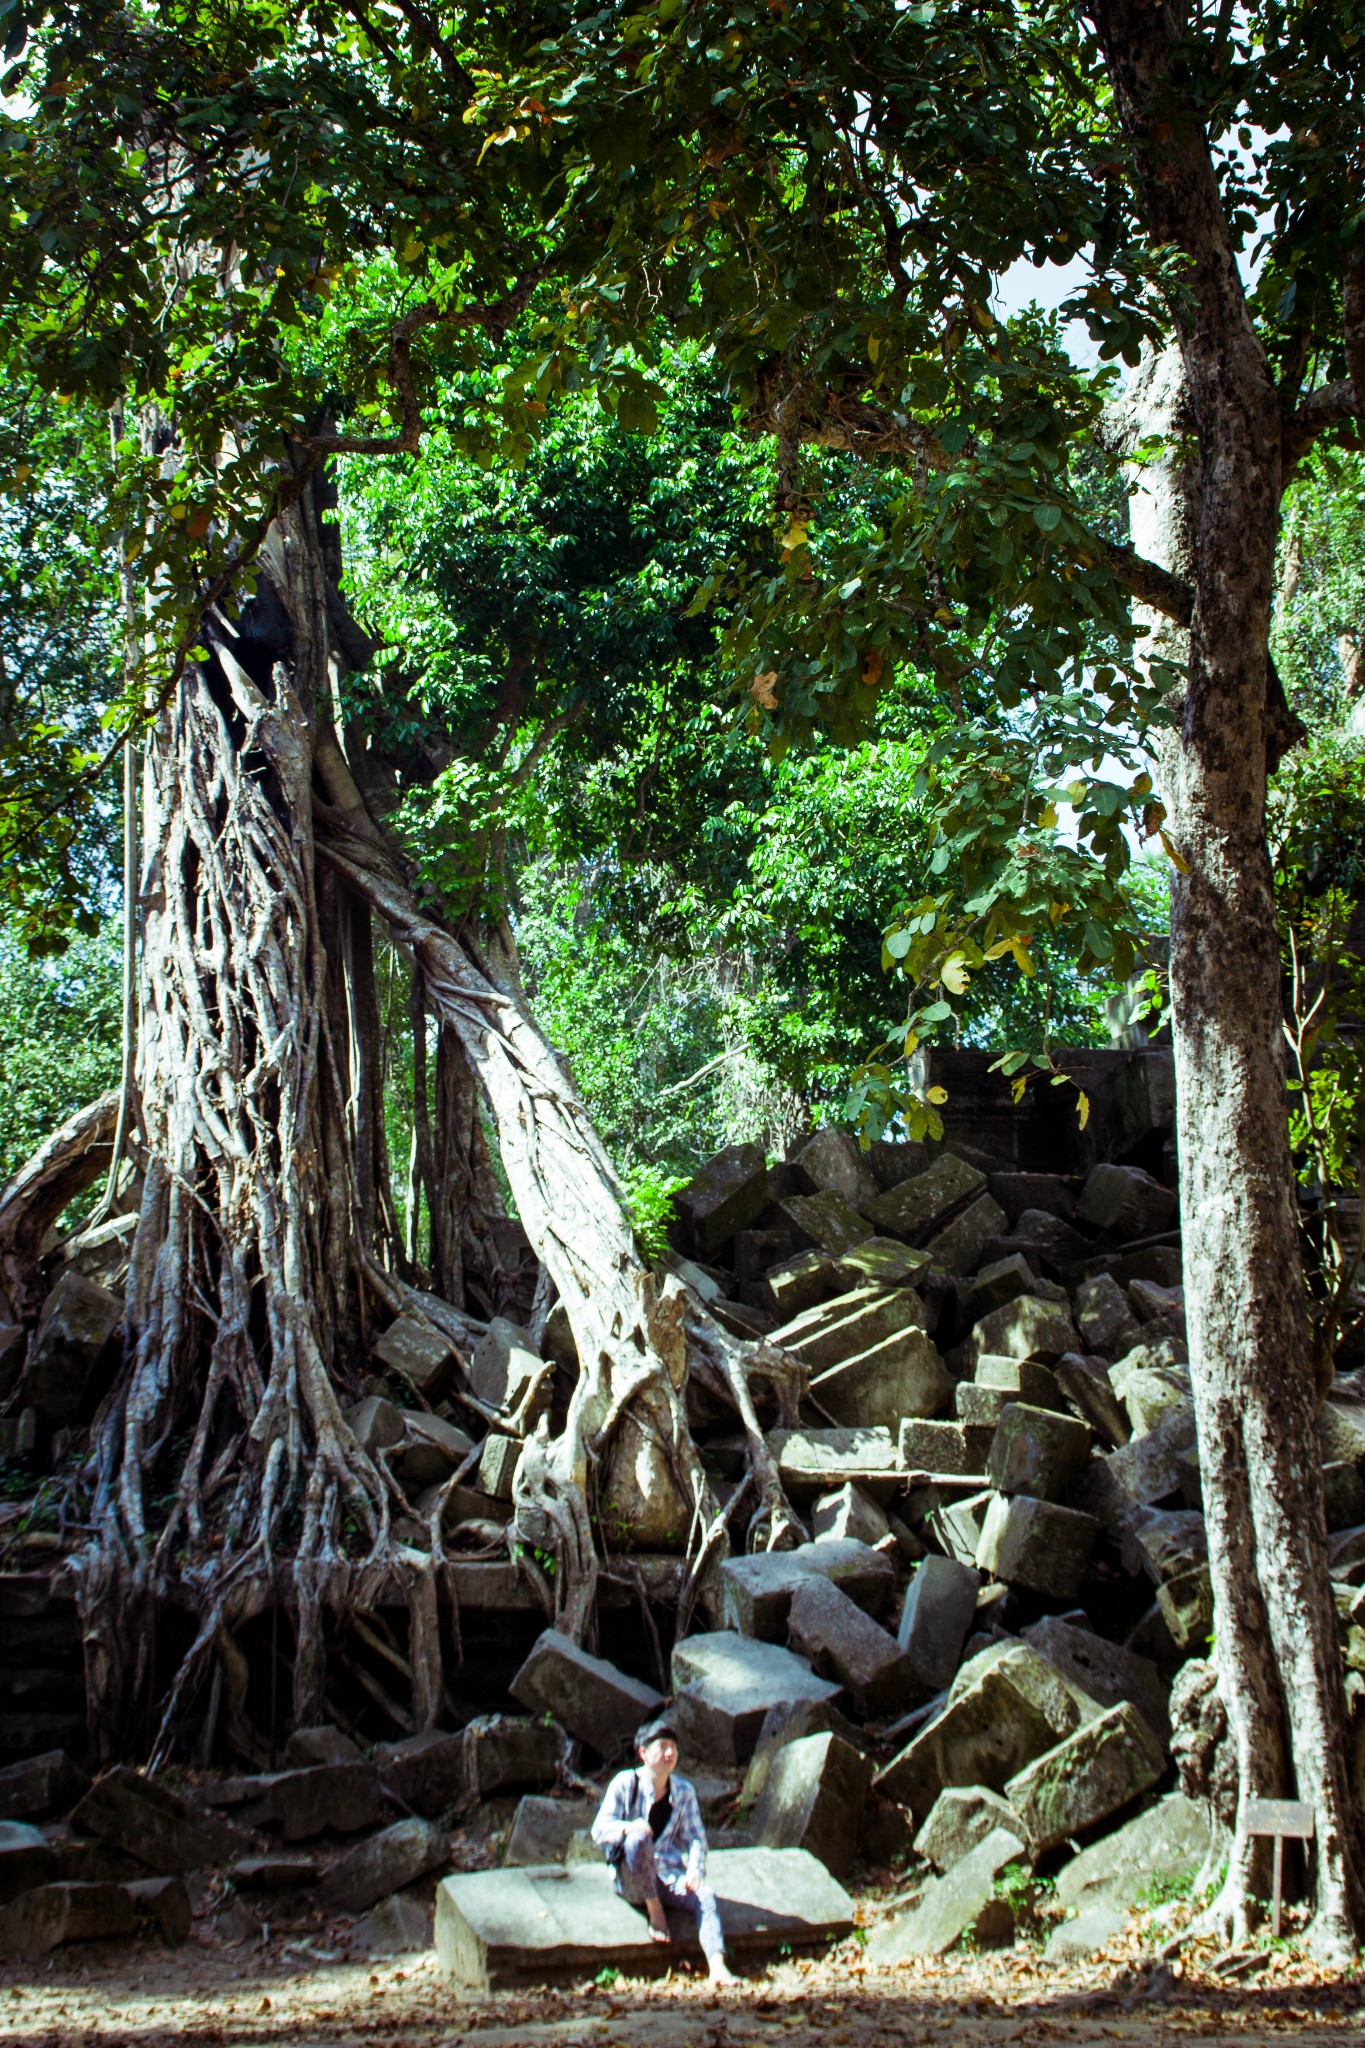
{"points": [[660, 1813]]}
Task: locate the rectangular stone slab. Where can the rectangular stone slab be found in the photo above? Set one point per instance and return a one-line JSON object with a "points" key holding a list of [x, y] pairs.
{"points": [[813, 1798], [992, 1732], [801, 1282], [826, 1222], [950, 1905], [157, 1825], [590, 1697], [850, 1325], [958, 1247], [903, 1375], [728, 1194], [926, 1198], [41, 1784], [1104, 1672], [810, 1461], [1096, 1772], [756, 1591], [544, 1923], [724, 1684]]}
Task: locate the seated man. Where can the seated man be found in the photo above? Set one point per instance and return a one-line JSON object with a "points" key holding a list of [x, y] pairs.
{"points": [[650, 1826]]}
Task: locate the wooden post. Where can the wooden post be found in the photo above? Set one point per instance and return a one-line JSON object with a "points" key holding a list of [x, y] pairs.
{"points": [[1281, 1818], [1279, 1886]]}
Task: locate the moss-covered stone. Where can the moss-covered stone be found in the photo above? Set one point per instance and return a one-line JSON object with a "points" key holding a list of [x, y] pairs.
{"points": [[1097, 1771]]}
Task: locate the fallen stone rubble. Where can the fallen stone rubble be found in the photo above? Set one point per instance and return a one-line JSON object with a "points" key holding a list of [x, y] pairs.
{"points": [[999, 1407], [963, 1675], [333, 1832]]}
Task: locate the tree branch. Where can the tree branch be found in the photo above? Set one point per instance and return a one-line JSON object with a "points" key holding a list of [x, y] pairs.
{"points": [[856, 427], [551, 730], [32, 1201], [1329, 406], [1150, 584], [493, 316], [1232, 397], [426, 31], [1284, 727]]}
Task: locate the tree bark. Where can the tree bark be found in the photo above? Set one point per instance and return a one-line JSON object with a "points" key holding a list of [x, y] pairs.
{"points": [[420, 1176], [1278, 1653], [464, 1200], [628, 1331], [243, 1280], [365, 1096]]}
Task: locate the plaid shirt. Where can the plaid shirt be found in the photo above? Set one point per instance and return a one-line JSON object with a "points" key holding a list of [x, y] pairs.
{"points": [[680, 1849]]}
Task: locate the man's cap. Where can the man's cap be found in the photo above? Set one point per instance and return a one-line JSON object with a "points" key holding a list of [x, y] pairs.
{"points": [[652, 1730]]}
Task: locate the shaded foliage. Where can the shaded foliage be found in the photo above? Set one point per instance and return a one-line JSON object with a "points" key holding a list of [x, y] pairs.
{"points": [[59, 1037]]}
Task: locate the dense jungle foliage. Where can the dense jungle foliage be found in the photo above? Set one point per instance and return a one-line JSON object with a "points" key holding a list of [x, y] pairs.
{"points": [[701, 925]]}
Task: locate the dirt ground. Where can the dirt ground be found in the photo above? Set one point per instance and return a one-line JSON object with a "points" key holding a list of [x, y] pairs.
{"points": [[296, 1989]]}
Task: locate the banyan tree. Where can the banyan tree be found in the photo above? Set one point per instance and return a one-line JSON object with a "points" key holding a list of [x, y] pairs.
{"points": [[222, 1476]]}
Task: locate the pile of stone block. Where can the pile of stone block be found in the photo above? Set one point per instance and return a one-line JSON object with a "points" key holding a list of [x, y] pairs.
{"points": [[82, 1862], [999, 1410], [963, 1669], [364, 1842], [334, 1828], [417, 1417]]}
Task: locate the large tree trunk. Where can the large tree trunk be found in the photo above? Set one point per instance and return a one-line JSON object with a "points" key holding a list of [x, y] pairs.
{"points": [[1278, 1655], [241, 1295], [1256, 1397], [228, 1479]]}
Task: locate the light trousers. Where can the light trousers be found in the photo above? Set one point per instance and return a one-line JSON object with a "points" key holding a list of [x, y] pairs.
{"points": [[639, 1878]]}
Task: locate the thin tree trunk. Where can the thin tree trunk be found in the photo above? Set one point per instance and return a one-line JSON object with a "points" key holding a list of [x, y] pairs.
{"points": [[370, 1143], [1278, 1653], [420, 1181], [466, 1266]]}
